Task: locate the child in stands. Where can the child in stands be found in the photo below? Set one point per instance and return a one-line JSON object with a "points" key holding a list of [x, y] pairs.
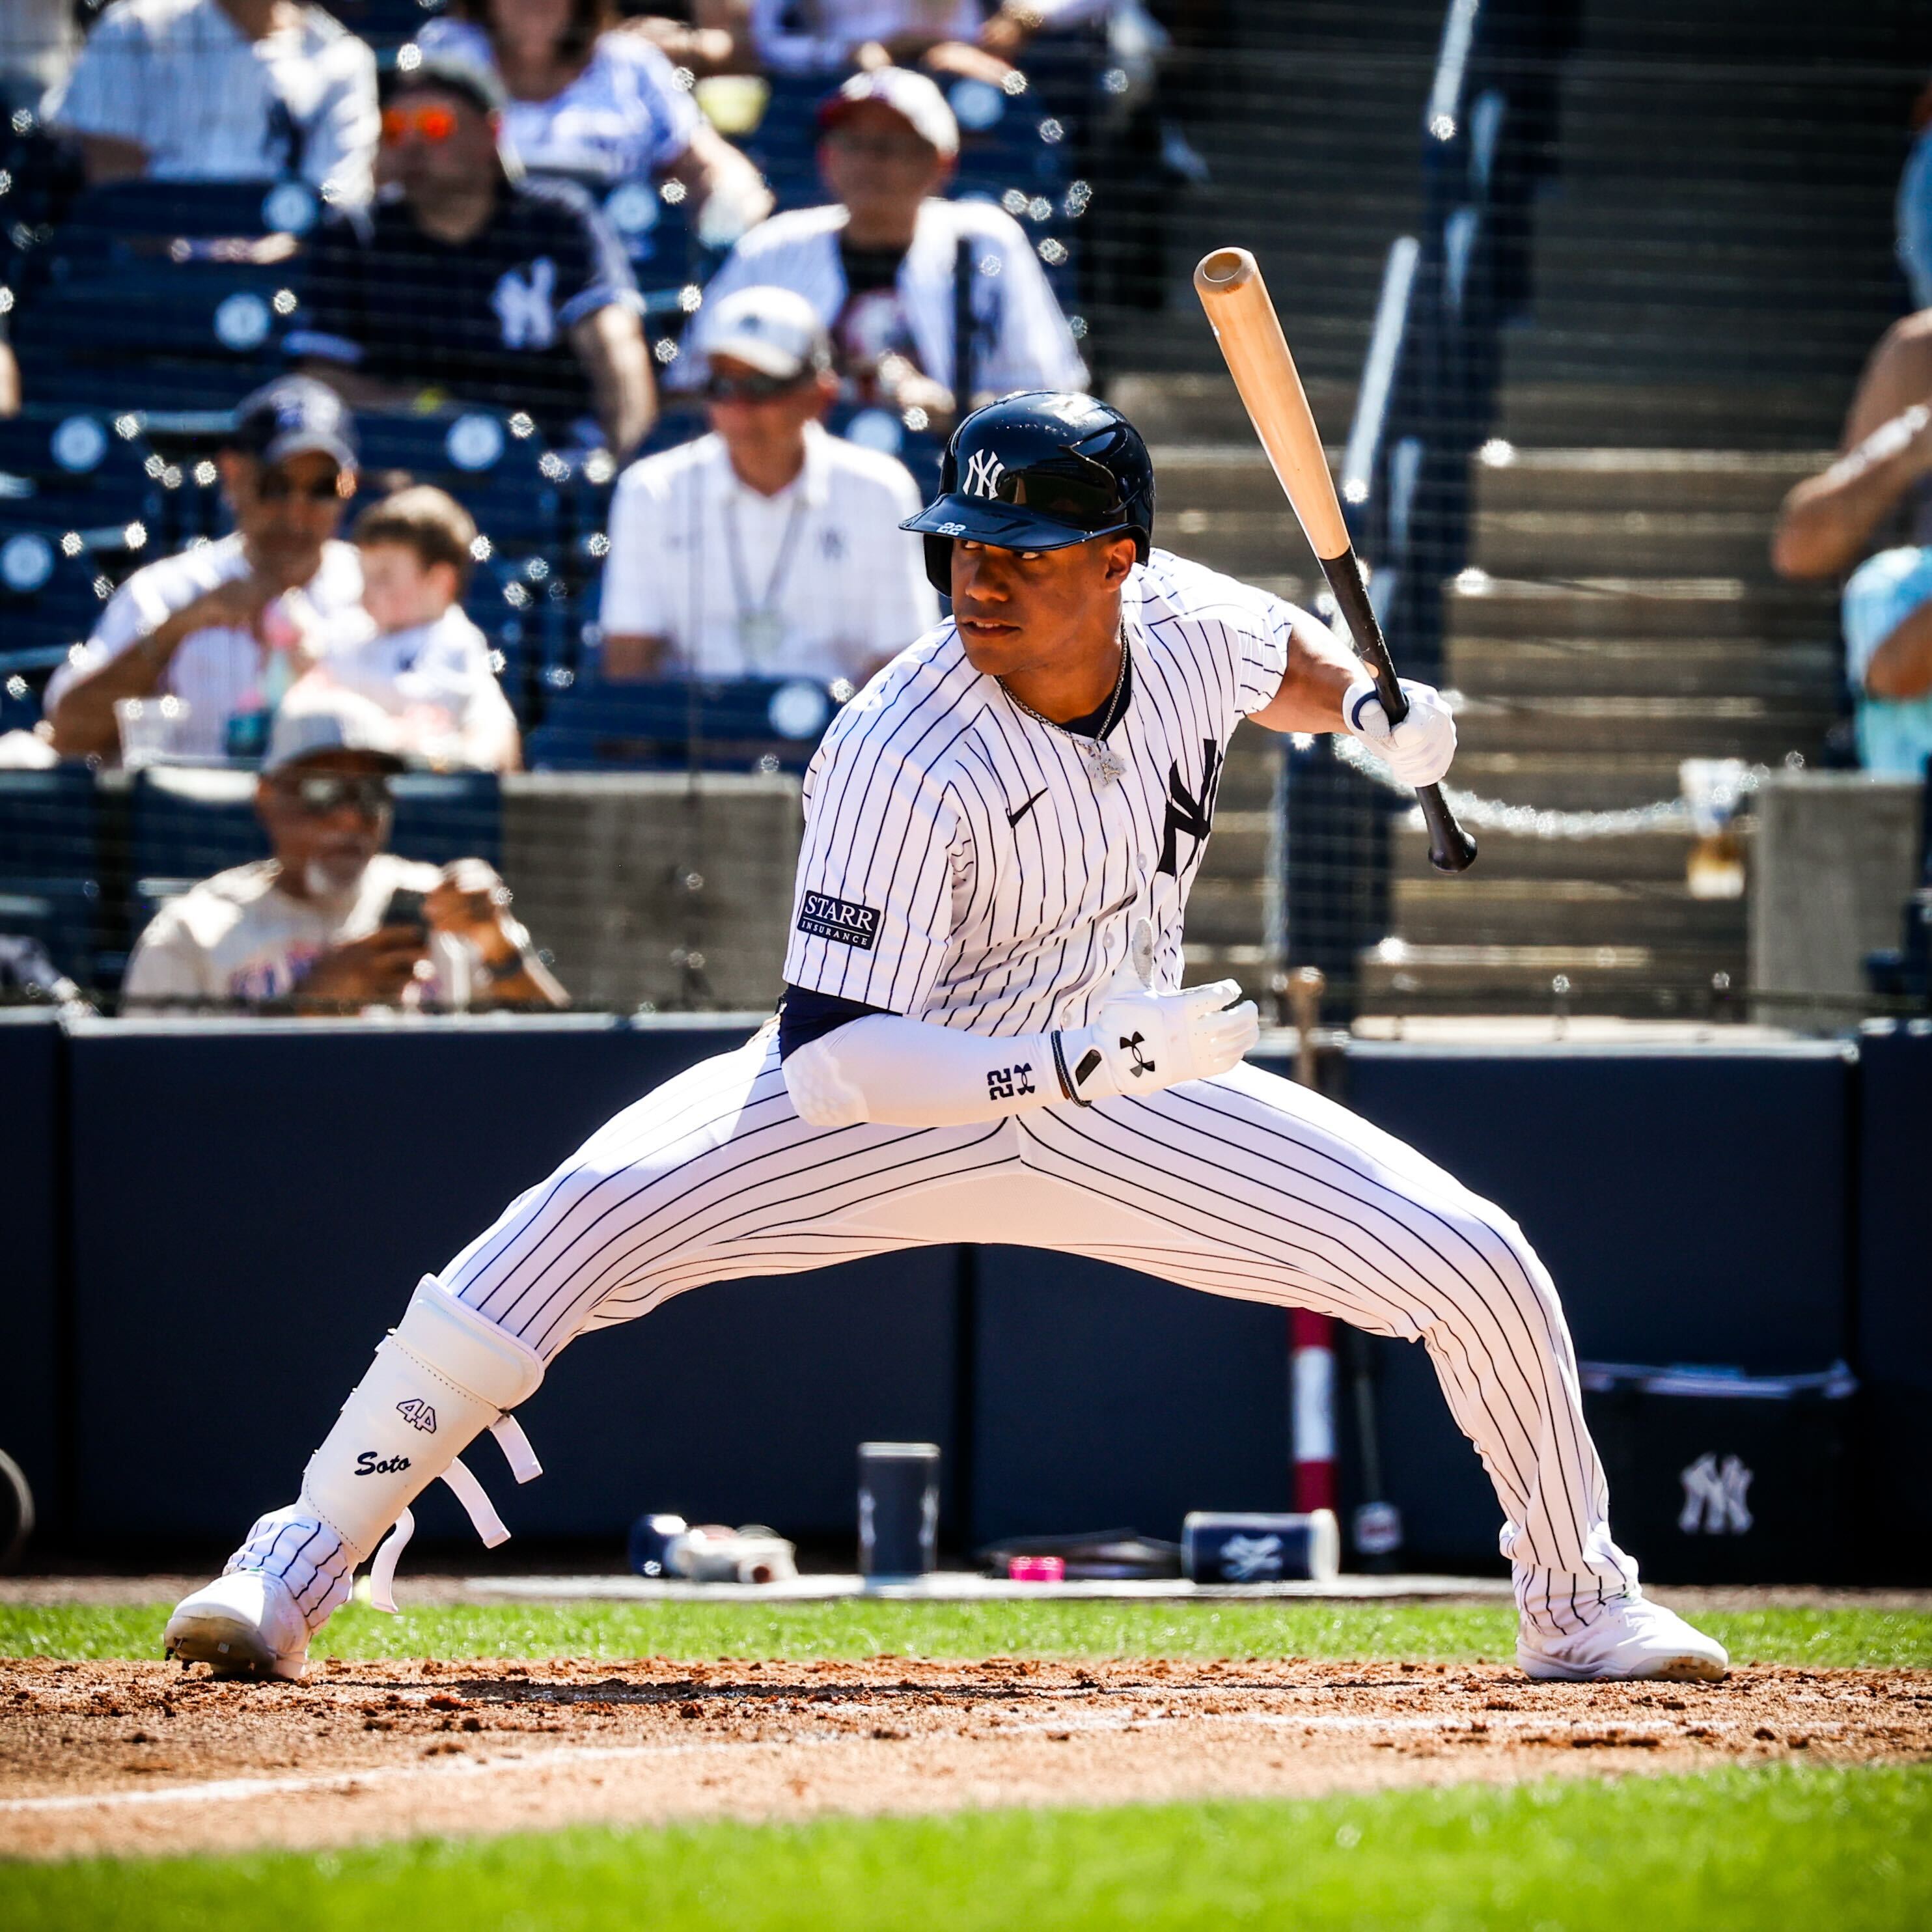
{"points": [[424, 661]]}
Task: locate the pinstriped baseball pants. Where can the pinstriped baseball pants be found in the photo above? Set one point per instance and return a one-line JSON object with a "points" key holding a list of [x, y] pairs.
{"points": [[1245, 1185]]}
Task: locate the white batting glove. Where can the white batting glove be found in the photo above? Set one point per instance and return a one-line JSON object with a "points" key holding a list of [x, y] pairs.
{"points": [[1144, 1042], [1418, 750]]}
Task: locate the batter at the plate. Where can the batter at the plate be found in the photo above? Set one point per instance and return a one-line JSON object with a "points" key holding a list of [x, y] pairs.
{"points": [[984, 1032]]}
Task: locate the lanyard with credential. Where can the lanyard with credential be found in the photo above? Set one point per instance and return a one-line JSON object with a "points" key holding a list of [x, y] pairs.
{"points": [[761, 626]]}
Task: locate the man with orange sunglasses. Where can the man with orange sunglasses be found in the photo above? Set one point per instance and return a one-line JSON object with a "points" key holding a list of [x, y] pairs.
{"points": [[465, 283]]}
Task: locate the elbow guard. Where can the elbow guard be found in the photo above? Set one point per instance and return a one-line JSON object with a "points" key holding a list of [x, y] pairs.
{"points": [[819, 1089]]}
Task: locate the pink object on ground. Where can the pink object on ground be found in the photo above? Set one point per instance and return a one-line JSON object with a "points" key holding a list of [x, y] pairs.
{"points": [[1036, 1569]]}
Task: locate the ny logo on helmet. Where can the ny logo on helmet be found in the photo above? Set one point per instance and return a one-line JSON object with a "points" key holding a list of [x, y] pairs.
{"points": [[983, 472]]}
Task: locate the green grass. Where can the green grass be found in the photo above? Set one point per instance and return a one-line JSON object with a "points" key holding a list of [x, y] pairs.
{"points": [[1758, 1849], [614, 1631]]}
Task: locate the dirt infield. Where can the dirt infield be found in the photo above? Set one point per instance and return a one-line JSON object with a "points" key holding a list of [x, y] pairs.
{"points": [[124, 1757]]}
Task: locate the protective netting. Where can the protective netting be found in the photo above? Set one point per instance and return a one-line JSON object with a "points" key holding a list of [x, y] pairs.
{"points": [[1581, 294]]}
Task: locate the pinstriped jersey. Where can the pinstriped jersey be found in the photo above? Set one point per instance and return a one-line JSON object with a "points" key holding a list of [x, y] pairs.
{"points": [[964, 862]]}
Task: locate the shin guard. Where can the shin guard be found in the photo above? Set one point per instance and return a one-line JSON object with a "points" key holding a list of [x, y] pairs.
{"points": [[441, 1377]]}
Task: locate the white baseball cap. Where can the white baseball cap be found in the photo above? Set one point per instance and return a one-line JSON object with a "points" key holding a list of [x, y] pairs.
{"points": [[774, 331], [915, 99], [319, 716]]}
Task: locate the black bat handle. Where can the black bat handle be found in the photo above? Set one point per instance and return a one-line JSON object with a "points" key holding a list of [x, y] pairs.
{"points": [[1450, 848]]}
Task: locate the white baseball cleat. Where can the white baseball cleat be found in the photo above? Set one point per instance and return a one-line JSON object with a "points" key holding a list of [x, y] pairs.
{"points": [[1632, 1638], [245, 1625]]}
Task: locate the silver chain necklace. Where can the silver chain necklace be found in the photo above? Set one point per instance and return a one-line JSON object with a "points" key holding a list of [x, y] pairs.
{"points": [[1104, 765]]}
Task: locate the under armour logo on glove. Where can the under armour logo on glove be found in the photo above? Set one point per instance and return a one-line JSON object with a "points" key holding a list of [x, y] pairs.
{"points": [[1132, 1043], [983, 472], [523, 308]]}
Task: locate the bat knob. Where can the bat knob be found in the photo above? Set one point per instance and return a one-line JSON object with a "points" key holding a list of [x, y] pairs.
{"points": [[1450, 848]]}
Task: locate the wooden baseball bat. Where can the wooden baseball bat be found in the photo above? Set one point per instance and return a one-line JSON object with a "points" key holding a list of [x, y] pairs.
{"points": [[1244, 319]]}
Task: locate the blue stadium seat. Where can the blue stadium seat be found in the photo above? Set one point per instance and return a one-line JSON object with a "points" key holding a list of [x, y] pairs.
{"points": [[50, 864], [50, 824], [164, 293], [49, 599], [494, 463], [188, 823], [61, 914], [740, 724], [81, 471], [445, 815]]}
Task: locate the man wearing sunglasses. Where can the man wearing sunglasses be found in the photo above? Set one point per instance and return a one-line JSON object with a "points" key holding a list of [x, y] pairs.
{"points": [[768, 548], [466, 282], [227, 627], [332, 922]]}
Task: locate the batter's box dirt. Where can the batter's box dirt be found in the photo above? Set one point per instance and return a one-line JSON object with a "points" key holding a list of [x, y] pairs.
{"points": [[133, 1757]]}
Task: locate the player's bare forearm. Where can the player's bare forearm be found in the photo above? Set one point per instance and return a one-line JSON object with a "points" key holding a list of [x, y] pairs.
{"points": [[1901, 667], [1320, 670]]}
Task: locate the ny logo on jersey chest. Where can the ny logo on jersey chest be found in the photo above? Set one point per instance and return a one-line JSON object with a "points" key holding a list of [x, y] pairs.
{"points": [[1189, 812]]}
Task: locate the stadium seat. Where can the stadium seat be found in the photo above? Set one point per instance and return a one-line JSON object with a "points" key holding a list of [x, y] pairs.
{"points": [[154, 294], [50, 596], [78, 472], [494, 463], [751, 723], [445, 815], [50, 824], [51, 864]]}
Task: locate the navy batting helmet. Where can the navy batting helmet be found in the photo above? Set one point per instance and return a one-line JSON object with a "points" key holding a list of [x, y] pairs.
{"points": [[1039, 471]]}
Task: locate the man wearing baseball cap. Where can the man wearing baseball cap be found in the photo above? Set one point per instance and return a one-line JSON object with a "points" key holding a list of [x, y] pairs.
{"points": [[332, 921], [465, 283], [228, 627], [889, 266], [768, 548]]}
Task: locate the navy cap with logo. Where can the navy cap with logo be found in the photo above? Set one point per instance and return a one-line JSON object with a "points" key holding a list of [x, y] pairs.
{"points": [[295, 415], [1039, 471]]}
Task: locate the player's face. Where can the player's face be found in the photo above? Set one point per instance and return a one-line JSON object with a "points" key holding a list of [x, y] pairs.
{"points": [[1022, 609]]}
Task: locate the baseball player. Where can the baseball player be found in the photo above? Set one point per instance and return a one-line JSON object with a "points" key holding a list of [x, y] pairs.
{"points": [[984, 1028]]}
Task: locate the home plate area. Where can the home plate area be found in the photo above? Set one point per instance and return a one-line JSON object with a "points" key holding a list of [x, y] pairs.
{"points": [[121, 1757]]}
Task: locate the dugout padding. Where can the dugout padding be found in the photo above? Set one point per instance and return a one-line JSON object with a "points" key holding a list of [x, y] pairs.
{"points": [[1692, 1204], [1894, 1298], [31, 1360], [253, 1202]]}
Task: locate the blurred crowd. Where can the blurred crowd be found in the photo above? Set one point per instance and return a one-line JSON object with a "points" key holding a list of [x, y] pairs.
{"points": [[1865, 520], [589, 354]]}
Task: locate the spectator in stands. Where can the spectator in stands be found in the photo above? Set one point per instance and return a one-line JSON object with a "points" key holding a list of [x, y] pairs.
{"points": [[229, 626], [469, 283], [1879, 490], [952, 36], [38, 45], [424, 661], [332, 922], [222, 90], [601, 106], [889, 266], [767, 548]]}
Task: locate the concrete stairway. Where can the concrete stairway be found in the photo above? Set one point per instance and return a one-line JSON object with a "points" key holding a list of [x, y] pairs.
{"points": [[1710, 270]]}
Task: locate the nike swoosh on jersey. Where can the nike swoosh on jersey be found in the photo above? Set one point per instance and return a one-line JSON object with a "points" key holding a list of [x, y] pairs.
{"points": [[1014, 816]]}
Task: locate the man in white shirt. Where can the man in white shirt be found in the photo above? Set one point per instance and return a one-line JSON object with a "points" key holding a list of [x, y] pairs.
{"points": [[222, 90], [227, 627], [768, 548], [332, 923], [887, 264]]}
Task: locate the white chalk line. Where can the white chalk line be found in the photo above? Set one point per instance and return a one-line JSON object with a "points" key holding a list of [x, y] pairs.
{"points": [[349, 1784]]}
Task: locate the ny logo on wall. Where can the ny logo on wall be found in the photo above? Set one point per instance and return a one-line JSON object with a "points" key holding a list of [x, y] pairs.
{"points": [[524, 309], [1714, 1497], [983, 472]]}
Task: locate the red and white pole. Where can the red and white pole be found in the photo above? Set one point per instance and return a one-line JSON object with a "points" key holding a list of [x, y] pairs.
{"points": [[1312, 1380]]}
